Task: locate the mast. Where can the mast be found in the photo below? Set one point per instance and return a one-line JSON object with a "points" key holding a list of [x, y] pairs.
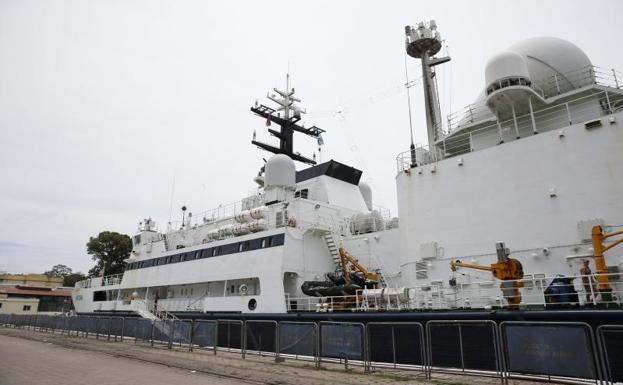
{"points": [[288, 123], [424, 43]]}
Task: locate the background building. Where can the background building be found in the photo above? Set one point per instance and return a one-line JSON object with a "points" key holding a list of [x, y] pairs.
{"points": [[40, 280]]}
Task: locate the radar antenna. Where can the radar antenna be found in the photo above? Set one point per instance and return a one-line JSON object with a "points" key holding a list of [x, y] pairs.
{"points": [[288, 123], [423, 43]]}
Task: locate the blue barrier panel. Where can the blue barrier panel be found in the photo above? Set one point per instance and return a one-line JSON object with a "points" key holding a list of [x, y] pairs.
{"points": [[260, 336], [610, 339], [400, 343], [204, 334], [144, 330], [466, 345], [61, 323], [93, 326], [130, 326], [229, 334], [343, 340], [116, 327], [162, 331], [182, 330], [103, 327], [298, 339], [549, 349], [83, 325]]}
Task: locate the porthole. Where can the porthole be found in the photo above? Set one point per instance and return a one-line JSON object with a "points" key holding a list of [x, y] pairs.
{"points": [[252, 304]]}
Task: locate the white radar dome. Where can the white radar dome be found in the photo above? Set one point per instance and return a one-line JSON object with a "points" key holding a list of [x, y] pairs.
{"points": [[549, 56], [507, 64], [280, 171]]}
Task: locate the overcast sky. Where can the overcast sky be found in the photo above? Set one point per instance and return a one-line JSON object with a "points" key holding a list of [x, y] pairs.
{"points": [[103, 104]]}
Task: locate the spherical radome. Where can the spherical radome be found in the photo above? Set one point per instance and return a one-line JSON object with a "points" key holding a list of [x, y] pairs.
{"points": [[506, 64], [280, 171], [549, 56]]}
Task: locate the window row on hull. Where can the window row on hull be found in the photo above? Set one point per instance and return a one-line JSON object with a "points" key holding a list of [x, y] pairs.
{"points": [[230, 248]]}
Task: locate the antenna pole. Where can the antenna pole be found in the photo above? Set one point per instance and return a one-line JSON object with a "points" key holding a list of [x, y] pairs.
{"points": [[412, 147], [423, 43]]}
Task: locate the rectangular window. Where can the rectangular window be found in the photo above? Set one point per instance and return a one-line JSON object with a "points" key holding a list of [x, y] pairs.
{"points": [[304, 193], [26, 308], [0, 304]]}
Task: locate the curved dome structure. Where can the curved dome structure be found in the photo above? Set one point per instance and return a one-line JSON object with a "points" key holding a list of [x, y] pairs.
{"points": [[280, 171], [507, 64], [549, 56]]}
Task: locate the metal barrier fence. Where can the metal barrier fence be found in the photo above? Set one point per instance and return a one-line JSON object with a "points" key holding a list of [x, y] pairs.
{"points": [[468, 346], [559, 351], [610, 341], [261, 337], [553, 351], [398, 345], [343, 341]]}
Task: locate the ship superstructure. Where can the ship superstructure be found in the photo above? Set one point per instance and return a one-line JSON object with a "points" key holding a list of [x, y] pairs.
{"points": [[536, 163]]}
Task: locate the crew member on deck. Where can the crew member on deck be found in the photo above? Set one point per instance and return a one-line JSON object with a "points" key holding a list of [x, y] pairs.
{"points": [[588, 281]]}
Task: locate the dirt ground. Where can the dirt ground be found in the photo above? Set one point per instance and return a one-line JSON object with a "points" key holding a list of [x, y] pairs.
{"points": [[30, 357]]}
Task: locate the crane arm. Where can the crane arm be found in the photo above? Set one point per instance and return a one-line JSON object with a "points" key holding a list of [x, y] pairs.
{"points": [[456, 264], [344, 254]]}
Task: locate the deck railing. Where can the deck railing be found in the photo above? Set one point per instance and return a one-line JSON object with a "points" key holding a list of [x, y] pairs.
{"points": [[491, 132], [536, 292]]}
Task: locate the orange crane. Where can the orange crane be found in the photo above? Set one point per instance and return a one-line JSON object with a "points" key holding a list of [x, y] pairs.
{"points": [[508, 270], [346, 259], [599, 248]]}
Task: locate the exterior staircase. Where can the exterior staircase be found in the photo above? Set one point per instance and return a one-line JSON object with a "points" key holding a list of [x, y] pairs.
{"points": [[332, 244], [145, 311]]}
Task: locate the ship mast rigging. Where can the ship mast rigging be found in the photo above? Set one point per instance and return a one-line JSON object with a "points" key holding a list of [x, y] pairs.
{"points": [[288, 123]]}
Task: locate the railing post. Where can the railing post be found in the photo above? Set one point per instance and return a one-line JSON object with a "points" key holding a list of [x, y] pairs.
{"points": [[471, 146], [557, 84], [497, 120], [568, 113], [534, 131], [616, 81], [608, 101], [515, 121]]}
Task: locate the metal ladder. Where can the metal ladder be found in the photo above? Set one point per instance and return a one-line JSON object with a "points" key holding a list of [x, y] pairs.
{"points": [[329, 239]]}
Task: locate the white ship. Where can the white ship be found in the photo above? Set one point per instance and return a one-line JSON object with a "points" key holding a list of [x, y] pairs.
{"points": [[535, 162]]}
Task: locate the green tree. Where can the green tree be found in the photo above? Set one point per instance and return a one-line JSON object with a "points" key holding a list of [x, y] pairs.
{"points": [[70, 279], [58, 271], [108, 250]]}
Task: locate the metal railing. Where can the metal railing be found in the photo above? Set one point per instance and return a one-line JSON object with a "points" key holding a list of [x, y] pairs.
{"points": [[108, 280], [549, 87], [536, 292], [491, 132], [563, 352]]}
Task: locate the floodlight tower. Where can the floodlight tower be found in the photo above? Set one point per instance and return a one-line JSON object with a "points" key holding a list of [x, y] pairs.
{"points": [[423, 43]]}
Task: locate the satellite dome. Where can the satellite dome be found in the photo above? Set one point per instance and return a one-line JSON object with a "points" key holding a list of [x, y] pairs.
{"points": [[507, 64], [549, 56], [280, 171]]}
